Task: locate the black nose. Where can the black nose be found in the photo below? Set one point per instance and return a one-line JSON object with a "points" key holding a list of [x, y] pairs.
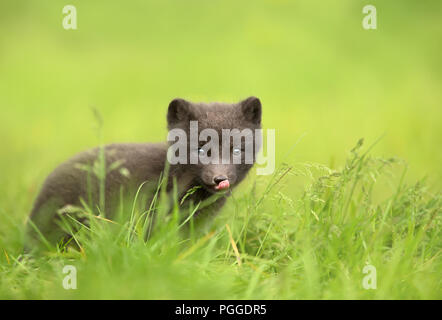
{"points": [[218, 179]]}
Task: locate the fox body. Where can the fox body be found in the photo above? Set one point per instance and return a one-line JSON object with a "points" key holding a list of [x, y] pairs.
{"points": [[135, 164]]}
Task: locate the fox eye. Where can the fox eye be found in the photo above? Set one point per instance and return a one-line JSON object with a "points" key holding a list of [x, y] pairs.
{"points": [[201, 152], [236, 151]]}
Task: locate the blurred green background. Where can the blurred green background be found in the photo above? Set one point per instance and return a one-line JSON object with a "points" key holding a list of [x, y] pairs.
{"points": [[319, 74]]}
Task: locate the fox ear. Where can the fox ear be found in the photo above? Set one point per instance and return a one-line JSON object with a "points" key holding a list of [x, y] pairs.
{"points": [[179, 110], [252, 109]]}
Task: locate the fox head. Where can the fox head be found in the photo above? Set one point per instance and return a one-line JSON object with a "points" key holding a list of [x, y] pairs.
{"points": [[216, 142]]}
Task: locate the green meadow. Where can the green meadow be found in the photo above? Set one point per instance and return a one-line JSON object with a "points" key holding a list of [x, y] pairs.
{"points": [[358, 123]]}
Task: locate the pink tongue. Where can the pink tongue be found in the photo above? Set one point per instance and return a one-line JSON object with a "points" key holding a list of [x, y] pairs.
{"points": [[223, 185]]}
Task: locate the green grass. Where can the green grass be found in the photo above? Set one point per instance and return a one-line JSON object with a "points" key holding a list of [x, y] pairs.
{"points": [[324, 82], [270, 246]]}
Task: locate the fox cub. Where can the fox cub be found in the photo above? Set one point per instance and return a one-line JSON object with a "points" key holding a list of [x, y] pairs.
{"points": [[135, 164]]}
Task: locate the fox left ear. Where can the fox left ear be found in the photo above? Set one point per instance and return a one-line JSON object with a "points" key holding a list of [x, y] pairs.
{"points": [[252, 109], [179, 110]]}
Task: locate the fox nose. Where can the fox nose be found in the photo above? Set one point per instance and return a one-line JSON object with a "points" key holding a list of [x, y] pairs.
{"points": [[219, 179]]}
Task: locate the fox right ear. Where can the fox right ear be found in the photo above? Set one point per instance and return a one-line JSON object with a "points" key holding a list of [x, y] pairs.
{"points": [[252, 109], [179, 110]]}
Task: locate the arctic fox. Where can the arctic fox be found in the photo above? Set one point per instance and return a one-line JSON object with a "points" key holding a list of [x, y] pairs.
{"points": [[130, 165]]}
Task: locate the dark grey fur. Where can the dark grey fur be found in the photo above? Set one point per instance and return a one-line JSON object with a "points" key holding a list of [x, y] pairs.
{"points": [[68, 183]]}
